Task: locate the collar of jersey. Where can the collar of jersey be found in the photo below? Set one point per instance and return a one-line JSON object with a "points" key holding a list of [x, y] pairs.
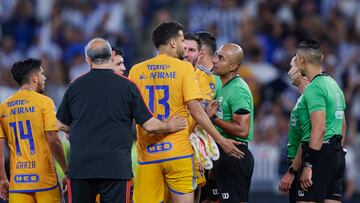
{"points": [[236, 76], [202, 68]]}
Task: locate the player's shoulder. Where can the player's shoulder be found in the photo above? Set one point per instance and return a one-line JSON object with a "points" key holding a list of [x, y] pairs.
{"points": [[41, 98], [203, 70]]}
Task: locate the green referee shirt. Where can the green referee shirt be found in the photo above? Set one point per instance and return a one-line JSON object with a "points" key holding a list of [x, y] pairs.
{"points": [[322, 94], [233, 96], [295, 133]]}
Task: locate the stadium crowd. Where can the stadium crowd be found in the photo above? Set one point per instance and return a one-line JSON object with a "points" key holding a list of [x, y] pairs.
{"points": [[57, 31]]}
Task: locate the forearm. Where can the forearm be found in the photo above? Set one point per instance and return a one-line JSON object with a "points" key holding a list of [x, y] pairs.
{"points": [[156, 126], [57, 149], [316, 139], [2, 160], [232, 128], [58, 153], [62, 127], [344, 127], [203, 120], [296, 164]]}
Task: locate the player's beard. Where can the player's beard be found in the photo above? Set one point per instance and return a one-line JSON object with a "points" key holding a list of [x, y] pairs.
{"points": [[180, 54], [40, 88]]}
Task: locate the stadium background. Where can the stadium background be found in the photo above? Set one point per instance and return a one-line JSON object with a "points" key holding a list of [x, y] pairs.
{"points": [[57, 30]]}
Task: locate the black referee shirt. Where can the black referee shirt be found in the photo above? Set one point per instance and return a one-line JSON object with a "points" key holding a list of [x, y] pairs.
{"points": [[99, 107]]}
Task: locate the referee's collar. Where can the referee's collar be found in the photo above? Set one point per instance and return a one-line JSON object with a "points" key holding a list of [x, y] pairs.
{"points": [[236, 76], [102, 69]]}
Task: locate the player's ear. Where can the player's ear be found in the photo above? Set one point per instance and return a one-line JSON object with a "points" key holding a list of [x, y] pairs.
{"points": [[88, 61], [201, 53], [34, 78], [172, 43]]}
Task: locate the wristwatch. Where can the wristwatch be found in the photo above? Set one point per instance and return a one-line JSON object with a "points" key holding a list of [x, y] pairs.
{"points": [[307, 164], [291, 170]]}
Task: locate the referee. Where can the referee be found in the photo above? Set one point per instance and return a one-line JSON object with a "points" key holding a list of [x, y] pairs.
{"points": [[287, 183], [97, 110], [321, 113], [233, 115]]}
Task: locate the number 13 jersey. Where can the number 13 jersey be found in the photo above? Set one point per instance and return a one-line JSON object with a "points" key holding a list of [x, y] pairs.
{"points": [[166, 84], [25, 116]]}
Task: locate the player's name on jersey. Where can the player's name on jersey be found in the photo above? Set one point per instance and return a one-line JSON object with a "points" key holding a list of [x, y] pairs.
{"points": [[25, 164], [22, 110], [17, 102]]}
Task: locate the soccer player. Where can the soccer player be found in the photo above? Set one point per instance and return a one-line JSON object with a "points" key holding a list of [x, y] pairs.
{"points": [[118, 60], [208, 82], [28, 123], [287, 184], [168, 86], [234, 120], [321, 114], [192, 49]]}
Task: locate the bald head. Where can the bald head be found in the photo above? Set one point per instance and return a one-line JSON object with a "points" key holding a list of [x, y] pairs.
{"points": [[98, 51], [233, 52], [228, 60]]}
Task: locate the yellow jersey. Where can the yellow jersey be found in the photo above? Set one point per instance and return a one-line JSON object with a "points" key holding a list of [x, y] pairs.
{"points": [[25, 116], [166, 84], [207, 88], [206, 82]]}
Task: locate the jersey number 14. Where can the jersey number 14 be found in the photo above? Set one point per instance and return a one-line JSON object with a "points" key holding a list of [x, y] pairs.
{"points": [[23, 136]]}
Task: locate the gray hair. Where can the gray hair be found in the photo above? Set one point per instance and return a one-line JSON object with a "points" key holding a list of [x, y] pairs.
{"points": [[98, 50]]}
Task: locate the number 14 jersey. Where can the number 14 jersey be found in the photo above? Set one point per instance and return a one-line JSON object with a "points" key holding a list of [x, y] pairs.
{"points": [[166, 84], [25, 116]]}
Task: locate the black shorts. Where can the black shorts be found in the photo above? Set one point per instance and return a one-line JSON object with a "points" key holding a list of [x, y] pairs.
{"points": [[327, 175], [293, 189], [233, 176], [110, 190], [209, 191]]}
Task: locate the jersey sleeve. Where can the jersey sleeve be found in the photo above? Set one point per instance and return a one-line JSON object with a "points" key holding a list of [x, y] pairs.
{"points": [[49, 115], [315, 98], [190, 85], [240, 100], [64, 113], [139, 110]]}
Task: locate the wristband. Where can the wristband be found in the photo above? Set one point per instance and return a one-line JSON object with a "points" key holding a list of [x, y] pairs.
{"points": [[311, 156]]}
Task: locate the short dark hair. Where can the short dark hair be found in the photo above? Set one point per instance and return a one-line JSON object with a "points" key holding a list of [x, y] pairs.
{"points": [[193, 37], [21, 70], [207, 39], [118, 51], [165, 31], [312, 50]]}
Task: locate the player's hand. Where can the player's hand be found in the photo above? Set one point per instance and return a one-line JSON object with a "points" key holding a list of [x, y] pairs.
{"points": [[212, 108], [4, 189], [64, 187], [177, 123], [229, 147], [285, 183], [305, 179]]}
